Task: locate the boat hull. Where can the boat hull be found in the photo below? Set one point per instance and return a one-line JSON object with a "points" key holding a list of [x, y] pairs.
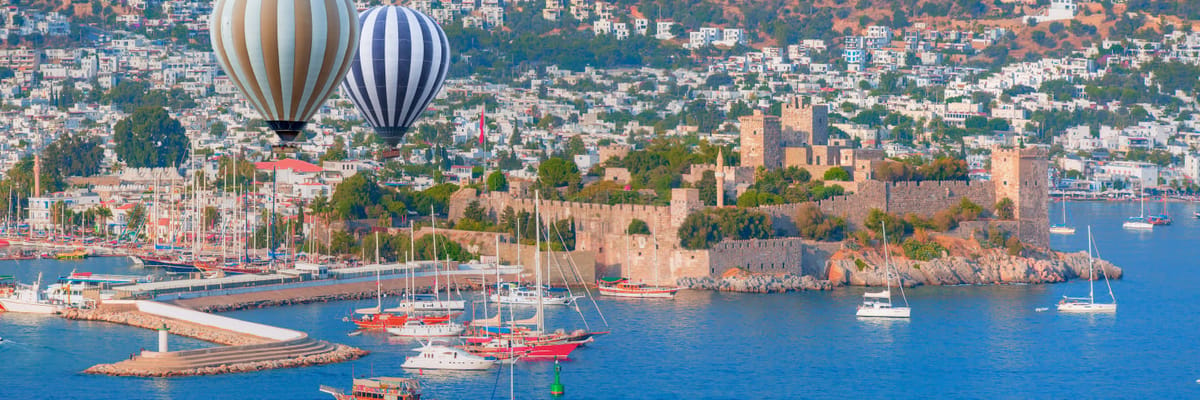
{"points": [[434, 330], [526, 352], [1140, 226], [16, 306], [522, 300], [1087, 308], [1062, 230], [884, 312], [646, 294], [435, 305]]}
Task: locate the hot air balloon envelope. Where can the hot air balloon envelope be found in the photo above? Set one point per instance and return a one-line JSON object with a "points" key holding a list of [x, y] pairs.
{"points": [[285, 56], [402, 60]]}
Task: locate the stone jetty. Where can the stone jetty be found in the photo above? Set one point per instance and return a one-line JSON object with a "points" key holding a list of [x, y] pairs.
{"points": [[248, 346]]}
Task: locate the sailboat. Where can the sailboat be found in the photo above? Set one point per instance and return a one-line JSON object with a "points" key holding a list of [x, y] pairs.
{"points": [[534, 344], [1063, 229], [1161, 219], [433, 302], [1089, 304], [879, 304], [622, 287], [1139, 222]]}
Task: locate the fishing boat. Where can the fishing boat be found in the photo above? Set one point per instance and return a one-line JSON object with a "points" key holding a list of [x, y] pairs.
{"points": [[21, 298], [512, 293], [445, 357], [879, 304], [1089, 304], [1062, 229], [622, 287], [380, 388], [1140, 222], [418, 328]]}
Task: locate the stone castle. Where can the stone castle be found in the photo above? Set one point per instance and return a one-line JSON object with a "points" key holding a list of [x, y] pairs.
{"points": [[799, 139]]}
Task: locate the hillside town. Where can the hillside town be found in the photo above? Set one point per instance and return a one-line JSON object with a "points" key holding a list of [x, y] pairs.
{"points": [[887, 92]]}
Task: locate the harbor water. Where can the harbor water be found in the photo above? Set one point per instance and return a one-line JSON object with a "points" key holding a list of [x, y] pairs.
{"points": [[962, 342]]}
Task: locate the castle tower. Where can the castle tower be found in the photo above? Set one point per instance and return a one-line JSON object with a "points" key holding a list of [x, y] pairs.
{"points": [[805, 123], [760, 140], [720, 179], [1021, 175]]}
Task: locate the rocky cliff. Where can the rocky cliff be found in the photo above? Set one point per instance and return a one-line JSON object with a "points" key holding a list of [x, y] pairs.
{"points": [[966, 264]]}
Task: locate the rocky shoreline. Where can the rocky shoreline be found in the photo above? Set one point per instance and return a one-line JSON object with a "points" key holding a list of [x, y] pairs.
{"points": [[987, 267], [340, 354], [756, 283]]}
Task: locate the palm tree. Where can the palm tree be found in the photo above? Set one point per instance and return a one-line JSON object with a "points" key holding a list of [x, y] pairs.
{"points": [[104, 214]]}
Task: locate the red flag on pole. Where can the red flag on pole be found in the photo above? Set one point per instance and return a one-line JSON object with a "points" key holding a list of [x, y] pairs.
{"points": [[481, 126]]}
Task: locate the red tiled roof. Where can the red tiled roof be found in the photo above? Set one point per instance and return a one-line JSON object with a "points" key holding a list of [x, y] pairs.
{"points": [[290, 163]]}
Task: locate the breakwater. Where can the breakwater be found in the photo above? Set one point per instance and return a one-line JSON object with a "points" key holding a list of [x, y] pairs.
{"points": [[248, 346]]}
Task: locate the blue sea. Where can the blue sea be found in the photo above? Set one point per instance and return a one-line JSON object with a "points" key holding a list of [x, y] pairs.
{"points": [[962, 342]]}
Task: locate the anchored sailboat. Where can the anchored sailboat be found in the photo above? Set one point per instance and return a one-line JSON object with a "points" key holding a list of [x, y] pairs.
{"points": [[879, 304], [1063, 229], [1089, 304]]}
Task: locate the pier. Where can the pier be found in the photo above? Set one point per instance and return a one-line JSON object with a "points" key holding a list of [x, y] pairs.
{"points": [[248, 346]]}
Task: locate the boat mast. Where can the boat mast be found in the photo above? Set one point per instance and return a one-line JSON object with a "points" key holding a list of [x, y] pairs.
{"points": [[537, 258], [1091, 271], [433, 225]]}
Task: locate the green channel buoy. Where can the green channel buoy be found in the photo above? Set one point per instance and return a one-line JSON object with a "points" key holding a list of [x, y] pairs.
{"points": [[556, 388]]}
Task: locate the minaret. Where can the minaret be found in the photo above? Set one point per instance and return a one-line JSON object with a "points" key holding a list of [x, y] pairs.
{"points": [[720, 179], [37, 175]]}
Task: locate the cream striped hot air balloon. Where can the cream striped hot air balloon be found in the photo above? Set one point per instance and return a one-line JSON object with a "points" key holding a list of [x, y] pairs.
{"points": [[285, 56]]}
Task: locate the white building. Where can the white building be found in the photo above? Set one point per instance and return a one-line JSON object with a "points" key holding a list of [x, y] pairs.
{"points": [[1138, 174], [1059, 10]]}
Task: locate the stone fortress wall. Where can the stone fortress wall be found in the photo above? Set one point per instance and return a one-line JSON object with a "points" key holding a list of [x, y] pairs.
{"points": [[1019, 174]]}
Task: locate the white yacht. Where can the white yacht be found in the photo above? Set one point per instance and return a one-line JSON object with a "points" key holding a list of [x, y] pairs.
{"points": [[28, 299], [427, 303], [879, 304], [511, 293], [1089, 304], [1140, 222], [416, 328], [445, 357]]}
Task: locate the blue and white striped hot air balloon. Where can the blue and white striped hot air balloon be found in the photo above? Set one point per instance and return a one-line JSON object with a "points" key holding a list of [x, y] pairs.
{"points": [[285, 56], [403, 57]]}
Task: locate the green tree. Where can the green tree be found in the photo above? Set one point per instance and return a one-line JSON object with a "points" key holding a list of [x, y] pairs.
{"points": [[556, 172], [73, 155], [637, 227], [707, 186], [815, 225], [217, 129], [497, 182], [150, 138], [837, 174], [1005, 209], [896, 227], [336, 152], [354, 195]]}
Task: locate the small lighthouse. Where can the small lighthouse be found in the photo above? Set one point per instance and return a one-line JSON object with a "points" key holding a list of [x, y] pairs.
{"points": [[162, 338]]}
